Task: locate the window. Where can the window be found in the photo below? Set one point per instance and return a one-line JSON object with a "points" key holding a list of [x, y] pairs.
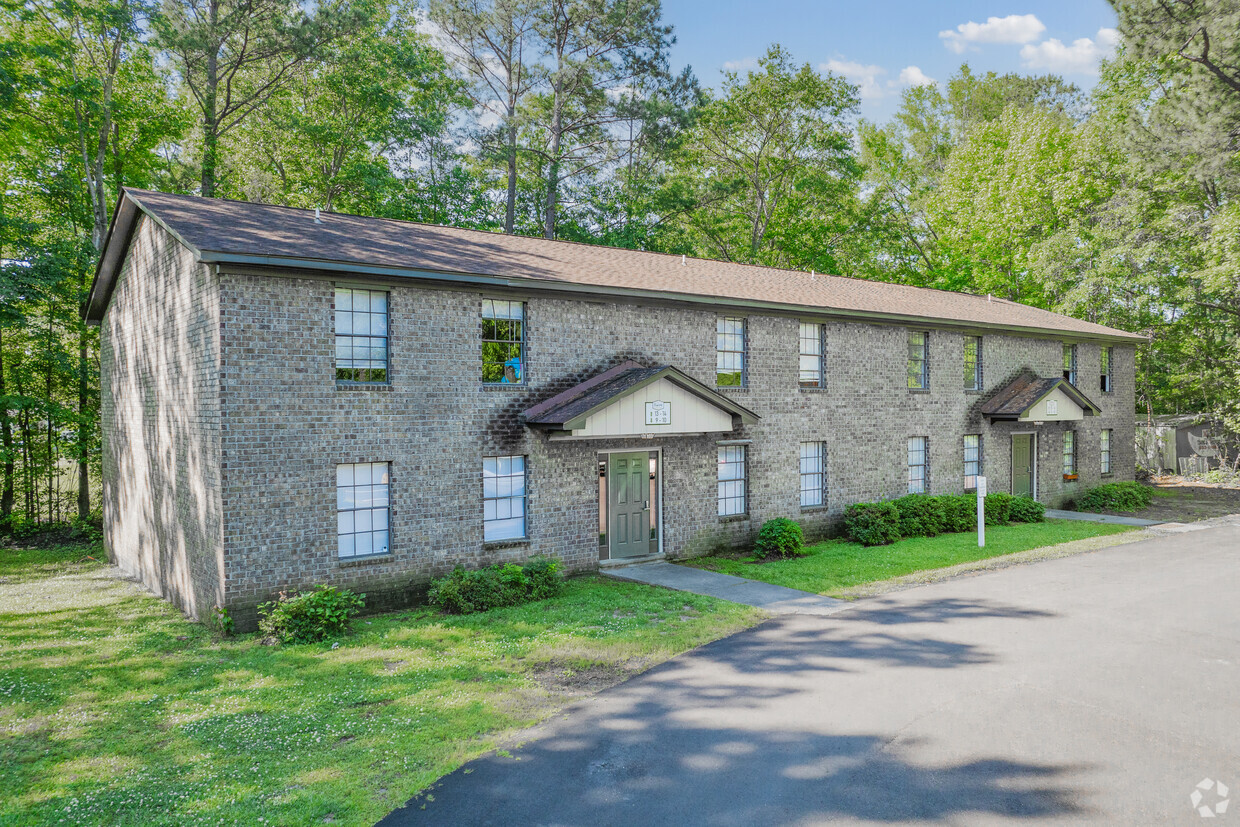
{"points": [[919, 360], [813, 480], [730, 352], [362, 509], [973, 363], [731, 480], [1106, 369], [361, 335], [918, 463], [503, 498], [1106, 450], [813, 373], [1069, 363], [1069, 453], [503, 342], [972, 460]]}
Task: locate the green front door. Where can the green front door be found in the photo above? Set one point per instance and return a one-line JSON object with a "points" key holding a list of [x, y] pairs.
{"points": [[1022, 465], [628, 504]]}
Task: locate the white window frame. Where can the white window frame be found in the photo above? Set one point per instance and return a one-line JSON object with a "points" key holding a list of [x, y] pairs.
{"points": [[918, 472], [1107, 368], [970, 480], [363, 510], [813, 468], [732, 350], [974, 382], [1069, 452], [811, 335], [1105, 440], [510, 311], [1069, 364], [922, 377], [505, 498], [362, 334], [732, 477]]}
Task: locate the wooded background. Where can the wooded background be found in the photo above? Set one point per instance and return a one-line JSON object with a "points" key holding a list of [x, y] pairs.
{"points": [[564, 118]]}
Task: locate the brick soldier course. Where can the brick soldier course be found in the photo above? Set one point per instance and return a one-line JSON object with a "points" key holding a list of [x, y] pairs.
{"points": [[224, 424]]}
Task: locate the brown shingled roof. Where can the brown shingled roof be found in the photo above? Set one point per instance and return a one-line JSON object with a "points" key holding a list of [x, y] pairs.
{"points": [[1012, 400], [261, 234], [601, 390]]}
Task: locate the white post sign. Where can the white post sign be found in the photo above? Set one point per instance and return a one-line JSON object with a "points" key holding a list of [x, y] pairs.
{"points": [[981, 512]]}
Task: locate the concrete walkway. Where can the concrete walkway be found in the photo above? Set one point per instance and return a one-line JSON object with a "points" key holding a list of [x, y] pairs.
{"points": [[1056, 514], [775, 599]]}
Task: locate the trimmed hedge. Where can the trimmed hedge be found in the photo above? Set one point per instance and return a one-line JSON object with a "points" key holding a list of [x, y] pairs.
{"points": [[1027, 510], [780, 537], [466, 591], [922, 515], [998, 508], [1116, 496], [872, 524]]}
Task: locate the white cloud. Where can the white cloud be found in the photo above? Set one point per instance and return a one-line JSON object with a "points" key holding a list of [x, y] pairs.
{"points": [[1015, 28], [914, 76], [1081, 57], [745, 64], [866, 77]]}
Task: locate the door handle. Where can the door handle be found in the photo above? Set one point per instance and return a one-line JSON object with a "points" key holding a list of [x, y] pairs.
{"points": [[646, 505]]}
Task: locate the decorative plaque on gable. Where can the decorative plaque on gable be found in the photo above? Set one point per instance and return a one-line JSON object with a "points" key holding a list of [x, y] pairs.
{"points": [[658, 413], [1052, 407]]}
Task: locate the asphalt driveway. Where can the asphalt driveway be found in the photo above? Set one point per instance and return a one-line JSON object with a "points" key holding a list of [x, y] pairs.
{"points": [[1102, 687]]}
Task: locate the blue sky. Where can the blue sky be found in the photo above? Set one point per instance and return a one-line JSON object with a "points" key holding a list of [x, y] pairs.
{"points": [[885, 45]]}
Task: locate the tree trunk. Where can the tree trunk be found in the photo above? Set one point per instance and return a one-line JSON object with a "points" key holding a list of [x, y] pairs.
{"points": [[510, 210], [210, 118], [6, 441], [553, 169], [83, 494]]}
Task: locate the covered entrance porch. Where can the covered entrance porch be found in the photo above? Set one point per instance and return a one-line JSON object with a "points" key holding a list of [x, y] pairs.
{"points": [[632, 412]]}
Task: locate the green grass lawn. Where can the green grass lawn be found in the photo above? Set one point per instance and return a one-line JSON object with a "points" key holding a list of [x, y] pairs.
{"points": [[835, 565], [116, 710]]}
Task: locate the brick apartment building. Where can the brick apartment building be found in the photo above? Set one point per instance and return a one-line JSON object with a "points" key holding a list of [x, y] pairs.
{"points": [[291, 399]]}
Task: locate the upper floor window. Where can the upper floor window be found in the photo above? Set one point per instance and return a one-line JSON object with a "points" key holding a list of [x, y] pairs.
{"points": [[1069, 453], [1106, 450], [1106, 357], [812, 370], [361, 335], [732, 495], [972, 460], [1069, 363], [918, 360], [730, 352], [973, 363], [362, 509], [503, 498], [813, 480], [918, 463], [503, 342]]}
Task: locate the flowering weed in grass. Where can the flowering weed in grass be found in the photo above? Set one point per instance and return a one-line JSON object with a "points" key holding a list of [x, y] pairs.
{"points": [[115, 710]]}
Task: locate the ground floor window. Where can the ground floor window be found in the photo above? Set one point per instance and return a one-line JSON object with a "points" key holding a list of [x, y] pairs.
{"points": [[732, 500], [972, 460], [1106, 450], [362, 509], [503, 498], [813, 480], [1069, 453], [918, 463]]}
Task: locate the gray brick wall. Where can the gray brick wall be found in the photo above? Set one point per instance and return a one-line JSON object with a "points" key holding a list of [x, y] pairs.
{"points": [[223, 426], [159, 380], [287, 424]]}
